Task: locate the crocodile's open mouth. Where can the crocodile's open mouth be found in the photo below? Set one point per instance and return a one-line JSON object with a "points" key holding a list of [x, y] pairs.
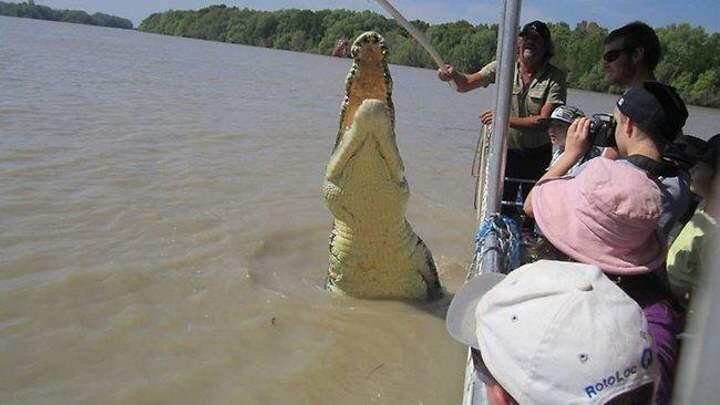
{"points": [[368, 78]]}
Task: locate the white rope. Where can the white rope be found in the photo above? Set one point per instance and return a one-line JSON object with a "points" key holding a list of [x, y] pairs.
{"points": [[419, 36]]}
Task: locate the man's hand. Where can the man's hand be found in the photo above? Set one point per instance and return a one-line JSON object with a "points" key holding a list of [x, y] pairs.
{"points": [[446, 73], [576, 143], [486, 117]]}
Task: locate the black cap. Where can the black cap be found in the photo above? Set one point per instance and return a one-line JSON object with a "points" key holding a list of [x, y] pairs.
{"points": [[655, 107], [538, 27]]}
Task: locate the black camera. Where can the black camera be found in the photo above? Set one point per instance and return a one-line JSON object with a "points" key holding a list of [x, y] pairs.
{"points": [[602, 130]]}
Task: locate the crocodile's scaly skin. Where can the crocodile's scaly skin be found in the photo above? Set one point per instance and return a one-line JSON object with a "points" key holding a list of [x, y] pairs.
{"points": [[374, 252]]}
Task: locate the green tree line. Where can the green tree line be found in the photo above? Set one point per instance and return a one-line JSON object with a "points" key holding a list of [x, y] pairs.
{"points": [[38, 12], [691, 57]]}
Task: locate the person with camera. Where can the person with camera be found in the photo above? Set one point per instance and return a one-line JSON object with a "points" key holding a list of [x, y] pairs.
{"points": [[538, 87], [608, 214], [654, 115], [558, 125]]}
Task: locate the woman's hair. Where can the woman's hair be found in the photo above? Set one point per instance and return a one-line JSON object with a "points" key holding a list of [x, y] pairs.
{"points": [[542, 249], [485, 375], [710, 157], [549, 49]]}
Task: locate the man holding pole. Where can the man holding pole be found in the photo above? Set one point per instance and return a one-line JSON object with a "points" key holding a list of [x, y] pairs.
{"points": [[538, 87]]}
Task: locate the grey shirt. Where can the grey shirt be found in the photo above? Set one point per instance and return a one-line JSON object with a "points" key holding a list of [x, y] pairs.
{"points": [[675, 200]]}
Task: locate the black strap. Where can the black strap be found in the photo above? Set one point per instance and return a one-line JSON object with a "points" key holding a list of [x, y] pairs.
{"points": [[653, 167]]}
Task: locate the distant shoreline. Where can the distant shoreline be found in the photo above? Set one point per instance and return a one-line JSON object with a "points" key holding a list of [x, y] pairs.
{"points": [[431, 69], [38, 12], [690, 61], [68, 22]]}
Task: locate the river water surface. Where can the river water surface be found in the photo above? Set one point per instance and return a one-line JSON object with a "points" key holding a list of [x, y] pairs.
{"points": [[164, 237]]}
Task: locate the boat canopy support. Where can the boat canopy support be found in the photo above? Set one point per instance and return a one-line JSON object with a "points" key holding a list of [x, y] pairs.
{"points": [[490, 180]]}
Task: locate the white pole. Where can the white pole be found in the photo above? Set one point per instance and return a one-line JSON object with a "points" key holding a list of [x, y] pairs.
{"points": [[501, 116], [419, 36], [494, 171]]}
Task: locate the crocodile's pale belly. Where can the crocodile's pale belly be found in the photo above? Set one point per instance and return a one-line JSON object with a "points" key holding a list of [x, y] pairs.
{"points": [[374, 251]]}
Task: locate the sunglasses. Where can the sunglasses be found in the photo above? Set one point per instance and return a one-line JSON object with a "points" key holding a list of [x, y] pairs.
{"points": [[610, 56]]}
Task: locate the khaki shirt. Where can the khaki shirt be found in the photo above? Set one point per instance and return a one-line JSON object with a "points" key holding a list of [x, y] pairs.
{"points": [[548, 86]]}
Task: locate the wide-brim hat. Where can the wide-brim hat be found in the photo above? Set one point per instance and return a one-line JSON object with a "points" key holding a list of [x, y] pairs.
{"points": [[606, 216]]}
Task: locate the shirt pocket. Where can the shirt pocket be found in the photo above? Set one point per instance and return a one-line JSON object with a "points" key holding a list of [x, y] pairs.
{"points": [[536, 99]]}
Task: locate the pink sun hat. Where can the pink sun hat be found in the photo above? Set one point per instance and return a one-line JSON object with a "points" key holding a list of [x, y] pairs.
{"points": [[607, 216]]}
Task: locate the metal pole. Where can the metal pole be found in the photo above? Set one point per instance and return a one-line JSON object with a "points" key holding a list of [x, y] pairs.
{"points": [[481, 174], [506, 74], [498, 55], [494, 171]]}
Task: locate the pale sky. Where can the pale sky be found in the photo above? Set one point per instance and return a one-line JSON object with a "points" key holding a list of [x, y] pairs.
{"points": [[608, 13]]}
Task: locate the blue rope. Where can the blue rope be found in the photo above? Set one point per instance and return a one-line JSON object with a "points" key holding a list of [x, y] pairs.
{"points": [[507, 233]]}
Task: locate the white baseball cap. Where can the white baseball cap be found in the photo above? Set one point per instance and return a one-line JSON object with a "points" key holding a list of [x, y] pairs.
{"points": [[555, 332]]}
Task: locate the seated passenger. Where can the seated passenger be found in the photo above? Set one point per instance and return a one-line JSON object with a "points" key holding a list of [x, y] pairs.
{"points": [[685, 258], [555, 333]]}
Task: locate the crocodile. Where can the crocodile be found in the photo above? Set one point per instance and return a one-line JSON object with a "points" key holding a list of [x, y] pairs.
{"points": [[374, 252]]}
